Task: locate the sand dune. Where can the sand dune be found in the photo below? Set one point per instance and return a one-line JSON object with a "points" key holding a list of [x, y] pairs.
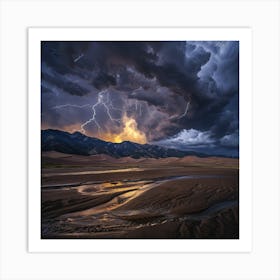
{"points": [[167, 198]]}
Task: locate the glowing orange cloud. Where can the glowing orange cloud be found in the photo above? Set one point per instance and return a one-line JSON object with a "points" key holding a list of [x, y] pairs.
{"points": [[130, 132]]}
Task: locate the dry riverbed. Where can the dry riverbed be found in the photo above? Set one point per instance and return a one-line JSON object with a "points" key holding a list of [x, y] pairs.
{"points": [[102, 197]]}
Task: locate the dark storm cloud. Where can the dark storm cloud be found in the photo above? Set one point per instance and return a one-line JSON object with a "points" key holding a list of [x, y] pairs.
{"points": [[167, 87], [65, 85], [104, 80], [176, 65], [165, 61], [151, 95], [61, 55], [230, 140]]}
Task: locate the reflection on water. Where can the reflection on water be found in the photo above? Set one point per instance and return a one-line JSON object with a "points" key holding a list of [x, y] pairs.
{"points": [[109, 216], [89, 172], [125, 191], [122, 192], [102, 214], [108, 206], [110, 187]]}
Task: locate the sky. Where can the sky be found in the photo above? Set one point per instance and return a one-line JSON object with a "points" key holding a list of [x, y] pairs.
{"points": [[176, 94]]}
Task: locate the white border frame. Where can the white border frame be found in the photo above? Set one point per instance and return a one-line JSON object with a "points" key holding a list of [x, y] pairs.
{"points": [[263, 17], [36, 35]]}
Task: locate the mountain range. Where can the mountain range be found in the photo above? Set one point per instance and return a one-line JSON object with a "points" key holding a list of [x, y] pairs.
{"points": [[80, 144]]}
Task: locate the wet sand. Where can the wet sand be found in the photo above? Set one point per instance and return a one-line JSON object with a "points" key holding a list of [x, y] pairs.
{"points": [[102, 197]]}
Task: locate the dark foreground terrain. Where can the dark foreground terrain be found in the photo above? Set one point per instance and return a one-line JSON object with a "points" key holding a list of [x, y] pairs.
{"points": [[103, 197]]}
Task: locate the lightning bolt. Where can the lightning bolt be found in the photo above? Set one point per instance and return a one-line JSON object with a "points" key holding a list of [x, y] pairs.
{"points": [[93, 118], [103, 100], [138, 107], [186, 111], [109, 105], [78, 58]]}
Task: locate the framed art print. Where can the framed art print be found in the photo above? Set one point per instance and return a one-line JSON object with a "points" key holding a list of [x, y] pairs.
{"points": [[139, 139]]}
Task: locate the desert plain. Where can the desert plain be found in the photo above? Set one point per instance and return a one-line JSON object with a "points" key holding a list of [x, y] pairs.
{"points": [[124, 198]]}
